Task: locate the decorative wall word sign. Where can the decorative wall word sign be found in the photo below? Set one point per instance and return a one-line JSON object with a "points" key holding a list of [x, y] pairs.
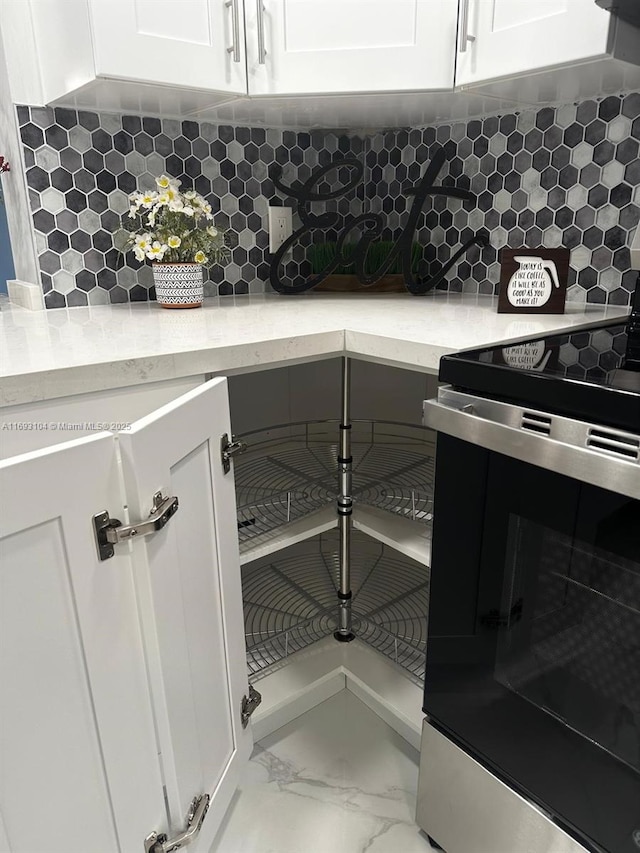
{"points": [[369, 224], [533, 281]]}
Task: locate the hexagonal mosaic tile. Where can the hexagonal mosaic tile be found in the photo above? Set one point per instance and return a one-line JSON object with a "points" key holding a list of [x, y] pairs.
{"points": [[555, 177], [83, 165]]}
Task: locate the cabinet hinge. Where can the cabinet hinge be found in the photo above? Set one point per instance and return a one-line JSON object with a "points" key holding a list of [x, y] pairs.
{"points": [[160, 843], [229, 449], [249, 704], [109, 531]]}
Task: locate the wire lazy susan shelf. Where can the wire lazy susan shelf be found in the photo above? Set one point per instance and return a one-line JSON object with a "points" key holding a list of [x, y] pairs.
{"points": [[289, 602], [290, 471]]}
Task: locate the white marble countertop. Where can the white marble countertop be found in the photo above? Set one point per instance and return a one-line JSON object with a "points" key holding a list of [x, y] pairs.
{"points": [[55, 353]]}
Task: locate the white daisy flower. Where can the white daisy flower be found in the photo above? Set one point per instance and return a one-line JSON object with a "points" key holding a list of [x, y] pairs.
{"points": [[212, 232], [139, 253], [190, 194], [200, 258], [147, 199], [143, 241], [164, 181], [157, 250], [188, 210], [174, 241]]}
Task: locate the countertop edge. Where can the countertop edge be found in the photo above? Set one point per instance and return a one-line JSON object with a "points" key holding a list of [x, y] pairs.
{"points": [[371, 330], [35, 387]]}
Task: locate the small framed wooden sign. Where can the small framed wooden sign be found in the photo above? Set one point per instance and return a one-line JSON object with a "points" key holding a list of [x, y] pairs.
{"points": [[533, 281]]}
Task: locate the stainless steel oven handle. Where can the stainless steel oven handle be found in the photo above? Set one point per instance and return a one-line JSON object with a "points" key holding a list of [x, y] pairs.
{"points": [[580, 463]]}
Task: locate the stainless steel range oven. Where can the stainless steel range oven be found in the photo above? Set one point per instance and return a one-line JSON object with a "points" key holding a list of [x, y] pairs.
{"points": [[531, 742]]}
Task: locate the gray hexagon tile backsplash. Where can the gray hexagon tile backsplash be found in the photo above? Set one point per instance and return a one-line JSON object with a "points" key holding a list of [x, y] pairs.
{"points": [[568, 176], [81, 167], [555, 177]]}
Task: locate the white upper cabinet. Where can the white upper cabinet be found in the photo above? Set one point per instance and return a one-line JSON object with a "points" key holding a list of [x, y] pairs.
{"points": [[152, 56], [197, 44], [326, 46], [502, 38], [201, 58], [122, 679]]}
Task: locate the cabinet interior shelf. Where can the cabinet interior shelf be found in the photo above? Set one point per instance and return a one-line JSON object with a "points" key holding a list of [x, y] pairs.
{"points": [[287, 480], [286, 486], [290, 602]]}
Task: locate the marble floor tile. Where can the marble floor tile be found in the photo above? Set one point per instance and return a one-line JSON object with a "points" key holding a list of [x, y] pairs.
{"points": [[335, 780]]}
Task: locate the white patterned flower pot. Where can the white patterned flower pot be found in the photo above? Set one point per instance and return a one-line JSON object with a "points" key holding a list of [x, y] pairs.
{"points": [[178, 285]]}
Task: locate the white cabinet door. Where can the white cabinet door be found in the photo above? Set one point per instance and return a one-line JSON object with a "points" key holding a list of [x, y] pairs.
{"points": [[511, 37], [121, 681], [325, 46], [171, 42], [190, 596], [78, 757]]}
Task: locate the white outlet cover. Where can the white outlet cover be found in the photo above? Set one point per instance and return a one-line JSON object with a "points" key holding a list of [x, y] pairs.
{"points": [[280, 226]]}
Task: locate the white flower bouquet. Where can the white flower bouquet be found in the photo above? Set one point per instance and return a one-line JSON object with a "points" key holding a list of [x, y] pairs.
{"points": [[174, 227]]}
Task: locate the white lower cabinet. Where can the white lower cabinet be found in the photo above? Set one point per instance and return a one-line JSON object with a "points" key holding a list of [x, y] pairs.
{"points": [[123, 680], [77, 747]]}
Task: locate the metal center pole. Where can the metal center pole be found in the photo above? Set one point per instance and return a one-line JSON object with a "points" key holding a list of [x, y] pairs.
{"points": [[344, 634]]}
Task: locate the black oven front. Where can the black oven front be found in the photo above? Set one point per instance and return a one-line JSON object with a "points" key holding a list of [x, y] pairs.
{"points": [[533, 653]]}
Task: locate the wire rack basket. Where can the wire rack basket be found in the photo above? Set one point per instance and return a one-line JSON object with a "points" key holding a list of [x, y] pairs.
{"points": [[291, 470], [290, 602]]}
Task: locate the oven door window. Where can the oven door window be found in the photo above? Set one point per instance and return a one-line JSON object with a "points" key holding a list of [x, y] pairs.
{"points": [[568, 633]]}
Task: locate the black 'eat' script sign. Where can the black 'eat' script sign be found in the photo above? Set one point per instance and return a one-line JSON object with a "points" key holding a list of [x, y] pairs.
{"points": [[369, 224]]}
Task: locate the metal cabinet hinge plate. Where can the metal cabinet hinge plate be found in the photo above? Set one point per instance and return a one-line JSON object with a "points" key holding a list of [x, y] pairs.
{"points": [[109, 531], [249, 704], [160, 843], [229, 449]]}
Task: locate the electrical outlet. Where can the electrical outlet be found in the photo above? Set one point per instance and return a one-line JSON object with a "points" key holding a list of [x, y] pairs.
{"points": [[280, 226]]}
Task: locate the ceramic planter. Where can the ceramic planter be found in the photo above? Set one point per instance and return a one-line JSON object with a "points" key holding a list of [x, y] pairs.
{"points": [[178, 285]]}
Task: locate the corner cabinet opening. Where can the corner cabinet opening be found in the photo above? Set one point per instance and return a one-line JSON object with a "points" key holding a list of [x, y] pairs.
{"points": [[287, 485]]}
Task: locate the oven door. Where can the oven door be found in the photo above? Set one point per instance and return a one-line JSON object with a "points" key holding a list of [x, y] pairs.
{"points": [[533, 653]]}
